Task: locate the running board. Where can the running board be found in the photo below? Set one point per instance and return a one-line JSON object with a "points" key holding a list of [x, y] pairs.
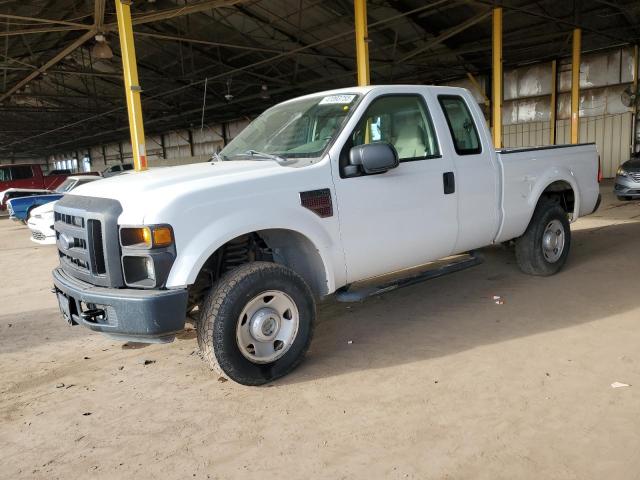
{"points": [[346, 295]]}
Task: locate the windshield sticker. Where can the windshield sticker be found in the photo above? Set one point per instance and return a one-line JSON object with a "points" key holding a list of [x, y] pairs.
{"points": [[337, 100]]}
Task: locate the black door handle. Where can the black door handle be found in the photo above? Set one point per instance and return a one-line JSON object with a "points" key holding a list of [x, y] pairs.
{"points": [[449, 182]]}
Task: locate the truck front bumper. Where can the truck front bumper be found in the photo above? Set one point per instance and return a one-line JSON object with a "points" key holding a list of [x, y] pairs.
{"points": [[152, 316]]}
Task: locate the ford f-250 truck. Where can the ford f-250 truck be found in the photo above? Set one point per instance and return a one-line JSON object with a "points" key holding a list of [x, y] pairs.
{"points": [[317, 194]]}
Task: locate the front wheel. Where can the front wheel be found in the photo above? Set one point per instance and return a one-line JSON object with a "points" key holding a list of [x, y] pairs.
{"points": [[256, 323], [544, 247], [624, 198]]}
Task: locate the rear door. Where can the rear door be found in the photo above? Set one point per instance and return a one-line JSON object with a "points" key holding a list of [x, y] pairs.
{"points": [[403, 217], [468, 145]]}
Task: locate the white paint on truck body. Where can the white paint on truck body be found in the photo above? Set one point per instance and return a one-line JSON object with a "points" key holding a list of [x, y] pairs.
{"points": [[380, 223]]}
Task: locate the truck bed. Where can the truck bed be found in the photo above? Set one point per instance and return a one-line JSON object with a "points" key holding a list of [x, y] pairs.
{"points": [[527, 172]]}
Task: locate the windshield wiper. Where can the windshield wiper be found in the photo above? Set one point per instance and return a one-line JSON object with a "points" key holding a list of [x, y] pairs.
{"points": [[270, 156]]}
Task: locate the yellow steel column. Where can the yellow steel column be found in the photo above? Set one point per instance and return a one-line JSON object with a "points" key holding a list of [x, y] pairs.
{"points": [[575, 85], [362, 47], [634, 116], [553, 107], [496, 78], [131, 84]]}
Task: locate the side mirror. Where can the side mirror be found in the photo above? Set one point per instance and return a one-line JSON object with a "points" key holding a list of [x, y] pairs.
{"points": [[374, 157]]}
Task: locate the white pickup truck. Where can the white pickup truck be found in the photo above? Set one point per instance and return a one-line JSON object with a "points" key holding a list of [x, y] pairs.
{"points": [[318, 194]]}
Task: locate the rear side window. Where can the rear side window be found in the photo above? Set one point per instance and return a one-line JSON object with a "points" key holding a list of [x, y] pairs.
{"points": [[461, 125], [21, 172]]}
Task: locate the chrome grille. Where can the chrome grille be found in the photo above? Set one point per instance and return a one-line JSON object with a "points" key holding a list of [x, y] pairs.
{"points": [[635, 176], [87, 239], [73, 238]]}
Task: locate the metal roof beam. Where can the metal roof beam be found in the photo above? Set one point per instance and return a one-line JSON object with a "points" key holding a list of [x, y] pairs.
{"points": [[176, 12], [445, 35], [630, 16], [27, 31], [44, 20], [569, 23], [98, 14], [51, 62]]}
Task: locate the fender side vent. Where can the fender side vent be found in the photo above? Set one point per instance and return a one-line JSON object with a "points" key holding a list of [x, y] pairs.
{"points": [[318, 201]]}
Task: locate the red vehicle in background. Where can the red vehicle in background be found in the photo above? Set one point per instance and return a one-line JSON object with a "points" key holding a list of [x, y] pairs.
{"points": [[29, 177]]}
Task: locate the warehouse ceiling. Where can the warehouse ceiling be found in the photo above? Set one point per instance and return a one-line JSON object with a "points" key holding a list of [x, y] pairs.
{"points": [[59, 95]]}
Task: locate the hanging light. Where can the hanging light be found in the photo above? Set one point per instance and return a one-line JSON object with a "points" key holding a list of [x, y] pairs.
{"points": [[101, 50], [264, 92], [229, 95]]}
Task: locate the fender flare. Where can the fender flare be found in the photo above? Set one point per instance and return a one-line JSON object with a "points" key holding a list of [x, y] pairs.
{"points": [[556, 174], [208, 241]]}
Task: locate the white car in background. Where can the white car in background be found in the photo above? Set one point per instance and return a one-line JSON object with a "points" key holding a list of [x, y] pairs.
{"points": [[41, 218], [41, 224]]}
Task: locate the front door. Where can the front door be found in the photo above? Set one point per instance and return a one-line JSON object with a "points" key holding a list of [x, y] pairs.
{"points": [[401, 218]]}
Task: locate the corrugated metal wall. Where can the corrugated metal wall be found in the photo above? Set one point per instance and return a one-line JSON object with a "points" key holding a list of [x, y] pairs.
{"points": [[177, 147], [604, 119], [610, 133]]}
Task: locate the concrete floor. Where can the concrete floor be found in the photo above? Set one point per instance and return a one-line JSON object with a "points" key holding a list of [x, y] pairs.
{"points": [[438, 382]]}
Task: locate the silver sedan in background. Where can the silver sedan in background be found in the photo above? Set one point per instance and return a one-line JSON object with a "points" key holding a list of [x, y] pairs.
{"points": [[628, 179]]}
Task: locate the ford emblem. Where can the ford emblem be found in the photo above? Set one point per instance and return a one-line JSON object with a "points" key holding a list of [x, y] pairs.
{"points": [[65, 241]]}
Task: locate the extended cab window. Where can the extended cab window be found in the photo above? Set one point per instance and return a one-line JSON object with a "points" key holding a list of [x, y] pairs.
{"points": [[20, 173], [5, 175], [401, 120], [461, 125]]}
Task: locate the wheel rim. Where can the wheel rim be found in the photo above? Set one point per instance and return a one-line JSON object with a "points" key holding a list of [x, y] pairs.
{"points": [[553, 241], [267, 326]]}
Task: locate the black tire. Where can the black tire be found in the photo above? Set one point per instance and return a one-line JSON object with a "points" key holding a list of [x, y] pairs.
{"points": [[624, 198], [220, 317], [529, 247]]}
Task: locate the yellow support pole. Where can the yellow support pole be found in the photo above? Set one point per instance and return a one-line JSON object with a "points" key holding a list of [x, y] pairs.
{"points": [[575, 86], [362, 47], [554, 106], [131, 84], [634, 117], [496, 78]]}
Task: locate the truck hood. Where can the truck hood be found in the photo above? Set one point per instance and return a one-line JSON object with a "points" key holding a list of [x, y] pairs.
{"points": [[154, 188]]}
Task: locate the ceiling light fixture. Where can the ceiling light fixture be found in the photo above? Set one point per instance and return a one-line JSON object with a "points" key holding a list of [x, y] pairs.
{"points": [[101, 50], [229, 95]]}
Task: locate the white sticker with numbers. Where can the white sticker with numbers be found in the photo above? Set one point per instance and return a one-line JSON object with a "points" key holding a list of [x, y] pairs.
{"points": [[337, 100]]}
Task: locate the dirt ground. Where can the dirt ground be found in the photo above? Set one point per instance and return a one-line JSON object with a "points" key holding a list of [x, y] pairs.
{"points": [[431, 381]]}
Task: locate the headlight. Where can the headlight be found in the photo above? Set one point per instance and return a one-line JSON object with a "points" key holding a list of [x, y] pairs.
{"points": [[622, 172], [157, 236], [148, 252]]}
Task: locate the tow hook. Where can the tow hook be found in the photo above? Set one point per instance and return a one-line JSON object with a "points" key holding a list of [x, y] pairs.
{"points": [[93, 315]]}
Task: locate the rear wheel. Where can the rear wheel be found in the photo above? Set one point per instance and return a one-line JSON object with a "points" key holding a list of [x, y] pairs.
{"points": [[544, 247], [256, 323]]}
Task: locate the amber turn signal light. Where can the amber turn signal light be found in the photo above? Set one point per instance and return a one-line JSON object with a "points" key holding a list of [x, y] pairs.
{"points": [[162, 237], [147, 237]]}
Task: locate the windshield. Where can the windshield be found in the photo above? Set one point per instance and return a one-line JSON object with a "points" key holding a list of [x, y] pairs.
{"points": [[66, 185], [293, 130]]}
